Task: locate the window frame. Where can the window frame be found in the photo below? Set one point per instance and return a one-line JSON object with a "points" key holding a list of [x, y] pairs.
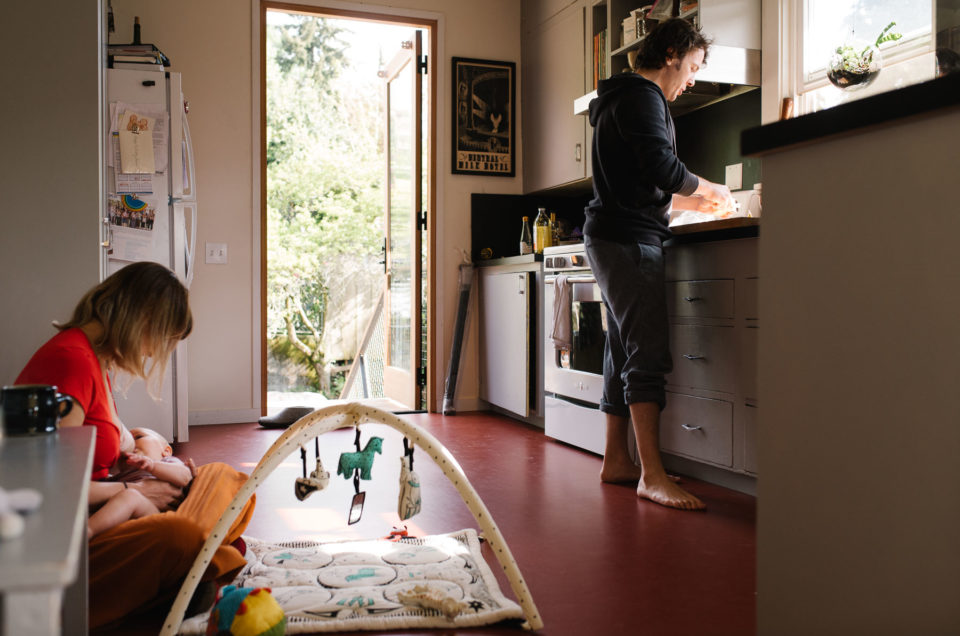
{"points": [[802, 87]]}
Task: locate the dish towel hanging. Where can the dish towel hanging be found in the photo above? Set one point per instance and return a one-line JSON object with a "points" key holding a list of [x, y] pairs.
{"points": [[562, 335]]}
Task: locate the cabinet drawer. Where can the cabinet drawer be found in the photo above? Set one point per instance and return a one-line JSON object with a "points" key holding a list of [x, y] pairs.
{"points": [[750, 433], [700, 298], [703, 357], [700, 428], [748, 361], [750, 295]]}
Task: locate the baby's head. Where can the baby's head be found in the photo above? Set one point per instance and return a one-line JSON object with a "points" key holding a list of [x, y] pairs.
{"points": [[150, 443]]}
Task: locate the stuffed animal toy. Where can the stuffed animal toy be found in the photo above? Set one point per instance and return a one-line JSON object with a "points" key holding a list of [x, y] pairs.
{"points": [[243, 611], [13, 502]]}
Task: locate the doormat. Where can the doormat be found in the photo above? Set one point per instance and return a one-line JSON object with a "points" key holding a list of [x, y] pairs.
{"points": [[439, 581]]}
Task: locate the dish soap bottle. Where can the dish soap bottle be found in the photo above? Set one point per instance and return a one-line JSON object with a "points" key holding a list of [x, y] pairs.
{"points": [[542, 234], [526, 241]]}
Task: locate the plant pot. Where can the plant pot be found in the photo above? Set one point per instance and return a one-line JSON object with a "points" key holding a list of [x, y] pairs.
{"points": [[854, 66]]}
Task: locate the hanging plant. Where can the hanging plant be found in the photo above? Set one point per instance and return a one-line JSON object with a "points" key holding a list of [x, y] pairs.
{"points": [[854, 65]]}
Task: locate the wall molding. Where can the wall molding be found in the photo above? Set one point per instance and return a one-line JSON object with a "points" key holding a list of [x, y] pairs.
{"points": [[225, 416]]}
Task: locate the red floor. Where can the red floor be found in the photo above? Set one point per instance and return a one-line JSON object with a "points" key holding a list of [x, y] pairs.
{"points": [[597, 559]]}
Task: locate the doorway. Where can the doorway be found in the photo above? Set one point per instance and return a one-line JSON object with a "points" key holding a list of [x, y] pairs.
{"points": [[347, 147]]}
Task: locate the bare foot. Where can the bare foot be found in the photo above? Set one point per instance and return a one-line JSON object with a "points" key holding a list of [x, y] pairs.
{"points": [[667, 493], [611, 473], [626, 473]]}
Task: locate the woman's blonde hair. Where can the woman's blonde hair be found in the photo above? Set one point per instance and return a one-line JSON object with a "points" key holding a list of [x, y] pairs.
{"points": [[145, 311]]}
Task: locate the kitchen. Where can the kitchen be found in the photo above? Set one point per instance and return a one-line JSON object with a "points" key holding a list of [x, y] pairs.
{"points": [[69, 37]]}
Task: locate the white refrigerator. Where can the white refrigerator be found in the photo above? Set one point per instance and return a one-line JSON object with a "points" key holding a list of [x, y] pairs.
{"points": [[151, 214]]}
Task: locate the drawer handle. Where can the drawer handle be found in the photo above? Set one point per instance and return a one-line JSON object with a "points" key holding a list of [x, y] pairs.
{"points": [[691, 299], [690, 356], [687, 427]]}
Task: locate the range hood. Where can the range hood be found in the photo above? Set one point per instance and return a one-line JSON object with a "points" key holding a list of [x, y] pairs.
{"points": [[729, 71]]}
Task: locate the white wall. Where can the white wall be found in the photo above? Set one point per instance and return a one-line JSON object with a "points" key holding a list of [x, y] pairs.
{"points": [[49, 169], [211, 43]]}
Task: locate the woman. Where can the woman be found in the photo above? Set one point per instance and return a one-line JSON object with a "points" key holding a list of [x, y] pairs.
{"points": [[129, 325]]}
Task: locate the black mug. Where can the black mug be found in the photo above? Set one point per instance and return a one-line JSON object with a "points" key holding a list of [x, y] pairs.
{"points": [[30, 409]]}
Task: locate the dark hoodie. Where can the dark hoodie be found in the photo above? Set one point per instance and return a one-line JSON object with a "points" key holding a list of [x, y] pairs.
{"points": [[635, 164]]}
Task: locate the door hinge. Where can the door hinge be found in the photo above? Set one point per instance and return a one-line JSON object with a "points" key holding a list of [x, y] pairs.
{"points": [[422, 220], [421, 376], [422, 65]]}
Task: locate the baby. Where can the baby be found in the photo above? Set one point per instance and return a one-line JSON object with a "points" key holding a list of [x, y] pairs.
{"points": [[152, 458]]}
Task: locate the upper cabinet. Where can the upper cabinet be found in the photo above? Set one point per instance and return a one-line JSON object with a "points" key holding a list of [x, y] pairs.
{"points": [[553, 74], [568, 46]]}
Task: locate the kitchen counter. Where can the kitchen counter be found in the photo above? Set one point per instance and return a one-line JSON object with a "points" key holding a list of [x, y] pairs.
{"points": [[858, 369], [525, 259], [720, 229], [940, 93]]}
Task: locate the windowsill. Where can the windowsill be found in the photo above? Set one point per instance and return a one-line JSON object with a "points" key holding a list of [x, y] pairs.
{"points": [[935, 94]]}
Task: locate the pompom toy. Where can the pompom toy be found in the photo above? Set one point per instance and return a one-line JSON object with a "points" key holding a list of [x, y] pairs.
{"points": [[244, 611], [13, 502]]}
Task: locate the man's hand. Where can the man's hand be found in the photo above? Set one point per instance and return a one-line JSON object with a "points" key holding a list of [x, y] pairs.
{"points": [[716, 198], [160, 493]]}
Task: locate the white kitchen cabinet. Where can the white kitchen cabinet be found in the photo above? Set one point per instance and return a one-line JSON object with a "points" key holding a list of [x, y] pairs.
{"points": [[553, 74], [508, 319], [711, 413]]}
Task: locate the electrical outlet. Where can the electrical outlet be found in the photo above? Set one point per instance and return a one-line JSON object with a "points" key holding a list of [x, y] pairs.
{"points": [[216, 253], [734, 176]]}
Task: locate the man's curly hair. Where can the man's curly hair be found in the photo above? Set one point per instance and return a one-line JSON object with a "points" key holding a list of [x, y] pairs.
{"points": [[674, 37]]}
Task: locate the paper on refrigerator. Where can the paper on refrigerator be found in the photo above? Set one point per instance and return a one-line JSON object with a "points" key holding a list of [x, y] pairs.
{"points": [[158, 131]]}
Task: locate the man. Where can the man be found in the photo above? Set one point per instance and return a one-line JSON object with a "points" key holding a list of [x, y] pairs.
{"points": [[637, 178]]}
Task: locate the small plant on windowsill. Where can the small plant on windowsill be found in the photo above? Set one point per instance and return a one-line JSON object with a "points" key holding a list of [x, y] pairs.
{"points": [[855, 65]]}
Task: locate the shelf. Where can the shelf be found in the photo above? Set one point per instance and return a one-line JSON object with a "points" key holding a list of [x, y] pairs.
{"points": [[627, 47]]}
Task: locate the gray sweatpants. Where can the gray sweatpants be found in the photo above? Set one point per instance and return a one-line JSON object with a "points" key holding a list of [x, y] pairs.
{"points": [[637, 353]]}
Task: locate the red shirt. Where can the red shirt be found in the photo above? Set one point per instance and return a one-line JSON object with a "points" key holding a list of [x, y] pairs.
{"points": [[68, 362]]}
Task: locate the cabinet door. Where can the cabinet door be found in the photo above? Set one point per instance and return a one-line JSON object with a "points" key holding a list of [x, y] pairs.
{"points": [[554, 139], [505, 321]]}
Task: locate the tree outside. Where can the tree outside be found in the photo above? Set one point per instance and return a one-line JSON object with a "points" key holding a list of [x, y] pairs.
{"points": [[324, 198]]}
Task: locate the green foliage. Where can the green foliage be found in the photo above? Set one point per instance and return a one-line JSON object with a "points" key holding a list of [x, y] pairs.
{"points": [[324, 173], [858, 62]]}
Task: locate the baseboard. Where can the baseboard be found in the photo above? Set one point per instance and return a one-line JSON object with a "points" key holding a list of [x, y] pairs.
{"points": [[226, 416], [740, 482]]}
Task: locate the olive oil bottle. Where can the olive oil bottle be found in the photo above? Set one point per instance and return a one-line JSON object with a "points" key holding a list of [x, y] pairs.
{"points": [[542, 234]]}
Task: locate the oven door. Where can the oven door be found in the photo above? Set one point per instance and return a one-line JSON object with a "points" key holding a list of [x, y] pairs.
{"points": [[575, 373]]}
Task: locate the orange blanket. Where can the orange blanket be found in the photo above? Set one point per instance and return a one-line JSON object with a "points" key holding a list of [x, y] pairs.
{"points": [[142, 562]]}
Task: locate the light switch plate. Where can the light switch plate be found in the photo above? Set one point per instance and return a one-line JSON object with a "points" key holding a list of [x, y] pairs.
{"points": [[734, 176], [215, 253]]}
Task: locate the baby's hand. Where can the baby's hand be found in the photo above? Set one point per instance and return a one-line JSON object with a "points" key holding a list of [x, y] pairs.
{"points": [[140, 462]]}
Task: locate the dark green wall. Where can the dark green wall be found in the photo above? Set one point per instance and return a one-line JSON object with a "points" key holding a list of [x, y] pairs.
{"points": [[708, 139]]}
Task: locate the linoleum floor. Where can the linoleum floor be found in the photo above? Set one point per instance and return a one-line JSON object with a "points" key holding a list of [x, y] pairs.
{"points": [[596, 559]]}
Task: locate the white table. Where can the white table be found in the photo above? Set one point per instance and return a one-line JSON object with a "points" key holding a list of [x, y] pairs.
{"points": [[43, 574]]}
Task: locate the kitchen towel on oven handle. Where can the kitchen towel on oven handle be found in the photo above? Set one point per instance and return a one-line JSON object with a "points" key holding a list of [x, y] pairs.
{"points": [[562, 335]]}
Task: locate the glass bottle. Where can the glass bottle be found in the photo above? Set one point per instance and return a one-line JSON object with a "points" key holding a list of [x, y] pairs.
{"points": [[136, 29], [541, 231], [526, 241], [554, 229]]}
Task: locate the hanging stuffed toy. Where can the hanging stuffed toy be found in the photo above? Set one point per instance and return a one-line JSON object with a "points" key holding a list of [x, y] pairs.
{"points": [[243, 611], [305, 486], [409, 502], [358, 464]]}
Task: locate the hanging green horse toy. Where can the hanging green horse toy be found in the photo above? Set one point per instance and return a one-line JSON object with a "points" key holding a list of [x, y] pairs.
{"points": [[363, 460]]}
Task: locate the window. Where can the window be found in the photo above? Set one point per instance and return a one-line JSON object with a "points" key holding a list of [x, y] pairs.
{"points": [[829, 24]]}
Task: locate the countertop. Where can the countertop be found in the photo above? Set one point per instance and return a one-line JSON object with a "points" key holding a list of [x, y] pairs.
{"points": [[721, 229], [943, 92]]}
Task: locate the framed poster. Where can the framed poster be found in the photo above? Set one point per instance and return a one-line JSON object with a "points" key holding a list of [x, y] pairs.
{"points": [[484, 122]]}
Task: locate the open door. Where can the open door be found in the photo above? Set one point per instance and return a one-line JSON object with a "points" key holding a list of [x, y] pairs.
{"points": [[403, 211]]}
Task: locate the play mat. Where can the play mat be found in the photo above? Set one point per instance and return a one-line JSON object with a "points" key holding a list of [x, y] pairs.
{"points": [[439, 581], [436, 581]]}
